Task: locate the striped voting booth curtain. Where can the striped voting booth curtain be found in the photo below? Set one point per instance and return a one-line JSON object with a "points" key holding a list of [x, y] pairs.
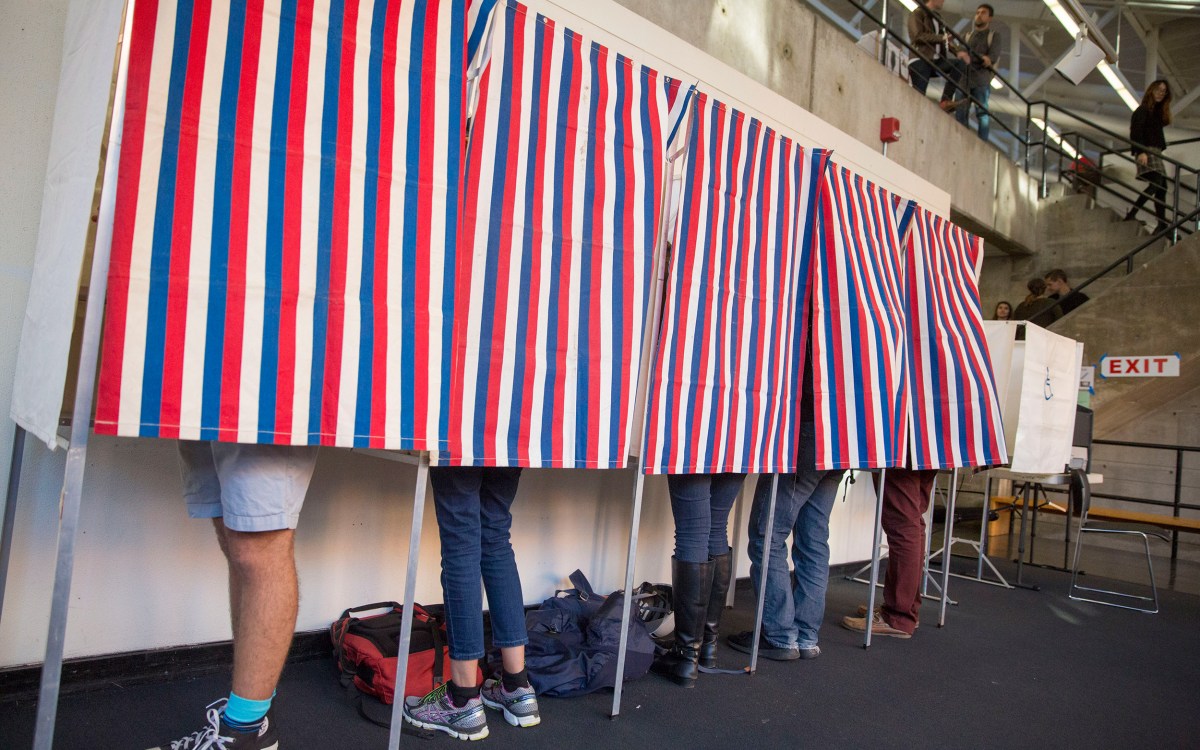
{"points": [[955, 409], [283, 251], [859, 379], [565, 181], [725, 384]]}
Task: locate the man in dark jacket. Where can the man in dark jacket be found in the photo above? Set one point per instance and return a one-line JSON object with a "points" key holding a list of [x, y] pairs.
{"points": [[981, 55], [1060, 290], [928, 36]]}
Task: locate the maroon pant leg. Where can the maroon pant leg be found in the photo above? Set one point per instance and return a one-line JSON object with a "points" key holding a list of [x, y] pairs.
{"points": [[905, 500]]}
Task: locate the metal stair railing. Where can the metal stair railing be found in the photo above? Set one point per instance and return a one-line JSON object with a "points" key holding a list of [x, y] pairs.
{"points": [[1051, 146], [1127, 259]]}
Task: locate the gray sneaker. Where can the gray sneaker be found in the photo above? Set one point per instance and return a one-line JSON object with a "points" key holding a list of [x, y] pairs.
{"points": [[520, 707], [437, 711]]}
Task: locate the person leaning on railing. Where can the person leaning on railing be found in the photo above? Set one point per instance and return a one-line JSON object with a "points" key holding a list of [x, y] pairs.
{"points": [[931, 41], [1146, 132], [982, 52]]}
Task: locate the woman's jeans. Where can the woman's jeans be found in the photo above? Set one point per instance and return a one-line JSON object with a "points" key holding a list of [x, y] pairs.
{"points": [[701, 505], [472, 505]]}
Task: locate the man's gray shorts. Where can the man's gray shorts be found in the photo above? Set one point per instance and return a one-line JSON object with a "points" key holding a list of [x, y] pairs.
{"points": [[252, 487]]}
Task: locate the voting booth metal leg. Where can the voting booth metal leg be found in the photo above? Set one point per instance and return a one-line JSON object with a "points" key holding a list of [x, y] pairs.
{"points": [[929, 554], [768, 539], [1027, 491], [410, 595], [983, 530], [980, 546], [947, 548], [638, 488], [85, 388], [927, 577], [878, 534], [10, 509]]}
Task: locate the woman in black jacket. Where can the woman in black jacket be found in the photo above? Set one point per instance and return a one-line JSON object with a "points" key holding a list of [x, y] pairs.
{"points": [[1146, 132]]}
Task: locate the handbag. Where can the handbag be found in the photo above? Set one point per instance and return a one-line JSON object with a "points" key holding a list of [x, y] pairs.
{"points": [[366, 650], [573, 641]]}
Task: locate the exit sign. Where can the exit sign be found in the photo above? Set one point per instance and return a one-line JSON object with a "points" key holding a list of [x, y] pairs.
{"points": [[1160, 366]]}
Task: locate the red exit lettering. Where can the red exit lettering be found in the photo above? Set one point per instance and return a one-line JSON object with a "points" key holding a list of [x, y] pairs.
{"points": [[1143, 366]]}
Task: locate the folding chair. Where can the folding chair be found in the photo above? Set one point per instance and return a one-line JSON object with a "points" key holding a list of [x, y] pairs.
{"points": [[1081, 493]]}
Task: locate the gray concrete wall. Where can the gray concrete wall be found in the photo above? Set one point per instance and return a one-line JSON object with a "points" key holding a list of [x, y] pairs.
{"points": [[815, 65], [1152, 311]]}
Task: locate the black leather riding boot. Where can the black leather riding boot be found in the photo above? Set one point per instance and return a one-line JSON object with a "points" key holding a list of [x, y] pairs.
{"points": [[691, 584], [722, 566]]}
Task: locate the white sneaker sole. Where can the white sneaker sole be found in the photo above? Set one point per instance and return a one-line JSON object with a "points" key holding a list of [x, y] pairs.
{"points": [[448, 730], [511, 718]]}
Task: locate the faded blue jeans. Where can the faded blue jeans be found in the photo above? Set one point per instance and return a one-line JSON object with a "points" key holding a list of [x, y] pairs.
{"points": [[795, 602], [980, 94], [473, 512]]}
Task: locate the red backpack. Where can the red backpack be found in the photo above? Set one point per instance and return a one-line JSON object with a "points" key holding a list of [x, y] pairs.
{"points": [[366, 650]]}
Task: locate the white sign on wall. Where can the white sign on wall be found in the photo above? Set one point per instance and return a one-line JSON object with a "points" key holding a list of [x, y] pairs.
{"points": [[1147, 366], [1087, 378]]}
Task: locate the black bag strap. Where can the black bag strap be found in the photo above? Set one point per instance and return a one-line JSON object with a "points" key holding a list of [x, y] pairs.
{"points": [[718, 670], [437, 654], [376, 605], [379, 713], [580, 582]]}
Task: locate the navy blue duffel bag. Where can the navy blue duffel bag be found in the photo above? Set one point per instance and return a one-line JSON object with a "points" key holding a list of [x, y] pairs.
{"points": [[573, 640]]}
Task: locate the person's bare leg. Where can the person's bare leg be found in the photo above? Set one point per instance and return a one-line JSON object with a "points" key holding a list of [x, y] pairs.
{"points": [[234, 588], [464, 672], [513, 658], [264, 597]]}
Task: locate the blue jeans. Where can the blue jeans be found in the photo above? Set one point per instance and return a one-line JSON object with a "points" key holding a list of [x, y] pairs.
{"points": [[700, 504], [795, 603], [472, 505], [979, 94]]}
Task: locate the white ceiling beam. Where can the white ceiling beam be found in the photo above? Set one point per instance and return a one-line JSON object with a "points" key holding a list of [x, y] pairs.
{"points": [[835, 19], [857, 19], [1181, 104], [1165, 62]]}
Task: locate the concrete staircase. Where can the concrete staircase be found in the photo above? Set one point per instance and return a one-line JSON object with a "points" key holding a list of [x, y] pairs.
{"points": [[1154, 310], [1074, 234]]}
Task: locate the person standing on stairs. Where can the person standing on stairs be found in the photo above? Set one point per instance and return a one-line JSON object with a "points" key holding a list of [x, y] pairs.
{"points": [[1067, 299], [1146, 132]]}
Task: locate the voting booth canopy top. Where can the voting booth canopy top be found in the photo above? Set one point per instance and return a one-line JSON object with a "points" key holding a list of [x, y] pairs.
{"points": [[308, 249]]}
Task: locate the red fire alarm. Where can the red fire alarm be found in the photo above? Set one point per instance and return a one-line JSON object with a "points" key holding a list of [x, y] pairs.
{"points": [[889, 129]]}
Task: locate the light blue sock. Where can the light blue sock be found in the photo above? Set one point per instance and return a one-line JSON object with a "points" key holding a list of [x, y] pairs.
{"points": [[243, 713]]}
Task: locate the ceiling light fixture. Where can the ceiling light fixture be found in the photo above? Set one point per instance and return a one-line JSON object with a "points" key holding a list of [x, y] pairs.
{"points": [[1054, 135], [1114, 79]]}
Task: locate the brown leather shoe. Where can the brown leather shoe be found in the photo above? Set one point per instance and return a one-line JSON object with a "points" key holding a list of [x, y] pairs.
{"points": [[878, 626], [862, 612]]}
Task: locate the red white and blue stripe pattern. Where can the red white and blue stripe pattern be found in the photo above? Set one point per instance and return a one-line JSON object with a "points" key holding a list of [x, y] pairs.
{"points": [[955, 410], [563, 197], [724, 394], [859, 379], [285, 222]]}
